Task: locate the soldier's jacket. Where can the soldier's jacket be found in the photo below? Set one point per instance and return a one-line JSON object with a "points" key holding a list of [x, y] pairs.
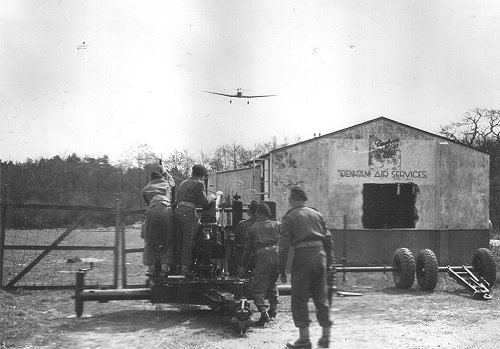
{"points": [[158, 190], [192, 190], [242, 229], [263, 233], [302, 224]]}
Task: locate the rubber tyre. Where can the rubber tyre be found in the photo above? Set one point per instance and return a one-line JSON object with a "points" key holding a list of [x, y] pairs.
{"points": [[404, 260], [427, 269], [483, 264]]}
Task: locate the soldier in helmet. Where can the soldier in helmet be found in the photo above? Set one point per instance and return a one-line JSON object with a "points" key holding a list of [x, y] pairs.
{"points": [[305, 229], [190, 194], [262, 241]]}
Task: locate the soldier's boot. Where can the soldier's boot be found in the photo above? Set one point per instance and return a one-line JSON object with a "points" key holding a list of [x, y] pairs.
{"points": [[304, 342], [272, 313], [264, 318], [324, 341]]}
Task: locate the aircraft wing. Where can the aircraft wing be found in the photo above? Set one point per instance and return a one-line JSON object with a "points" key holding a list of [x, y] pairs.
{"points": [[258, 96], [220, 94]]}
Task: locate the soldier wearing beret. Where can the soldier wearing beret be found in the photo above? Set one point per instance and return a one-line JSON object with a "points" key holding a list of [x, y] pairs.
{"points": [[262, 241], [305, 229], [191, 194]]}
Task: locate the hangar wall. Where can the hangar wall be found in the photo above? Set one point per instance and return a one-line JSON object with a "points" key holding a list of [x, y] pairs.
{"points": [[452, 179], [451, 184], [448, 183], [463, 196]]}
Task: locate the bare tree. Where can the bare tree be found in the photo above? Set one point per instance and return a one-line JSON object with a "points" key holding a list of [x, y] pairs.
{"points": [[478, 128], [181, 161]]}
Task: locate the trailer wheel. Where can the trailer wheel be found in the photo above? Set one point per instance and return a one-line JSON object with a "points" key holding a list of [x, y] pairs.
{"points": [[483, 264], [427, 270], [403, 260]]}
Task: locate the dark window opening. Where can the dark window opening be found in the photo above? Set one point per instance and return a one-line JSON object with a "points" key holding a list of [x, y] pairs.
{"points": [[387, 206]]}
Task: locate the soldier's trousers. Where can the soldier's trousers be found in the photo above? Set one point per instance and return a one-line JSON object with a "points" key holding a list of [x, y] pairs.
{"points": [[265, 280], [309, 280], [159, 235], [186, 227]]}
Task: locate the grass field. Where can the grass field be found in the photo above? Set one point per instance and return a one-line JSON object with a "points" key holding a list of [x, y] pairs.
{"points": [[36, 318]]}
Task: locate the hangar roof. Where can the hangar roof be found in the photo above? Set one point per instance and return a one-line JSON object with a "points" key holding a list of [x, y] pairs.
{"points": [[362, 124]]}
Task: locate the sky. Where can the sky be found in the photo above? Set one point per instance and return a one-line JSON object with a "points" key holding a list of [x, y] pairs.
{"points": [[103, 77]]}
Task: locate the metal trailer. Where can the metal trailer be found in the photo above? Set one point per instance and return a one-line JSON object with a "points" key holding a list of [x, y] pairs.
{"points": [[477, 278]]}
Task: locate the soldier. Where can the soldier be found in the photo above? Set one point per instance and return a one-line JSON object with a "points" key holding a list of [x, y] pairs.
{"points": [[241, 232], [158, 233], [191, 194], [262, 241], [304, 228]]}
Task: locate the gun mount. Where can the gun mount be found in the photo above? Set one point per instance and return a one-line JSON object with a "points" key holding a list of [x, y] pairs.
{"points": [[211, 281]]}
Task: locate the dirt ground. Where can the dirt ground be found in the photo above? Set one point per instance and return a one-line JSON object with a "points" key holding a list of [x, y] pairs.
{"points": [[383, 317]]}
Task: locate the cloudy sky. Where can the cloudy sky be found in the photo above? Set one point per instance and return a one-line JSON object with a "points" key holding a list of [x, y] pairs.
{"points": [[101, 77]]}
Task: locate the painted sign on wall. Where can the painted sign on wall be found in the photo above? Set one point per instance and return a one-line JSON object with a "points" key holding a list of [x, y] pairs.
{"points": [[384, 159], [384, 154]]}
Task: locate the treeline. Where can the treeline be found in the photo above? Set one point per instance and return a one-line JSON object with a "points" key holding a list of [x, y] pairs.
{"points": [[89, 181], [75, 180]]}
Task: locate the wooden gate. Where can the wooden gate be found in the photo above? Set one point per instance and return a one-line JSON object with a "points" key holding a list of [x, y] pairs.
{"points": [[30, 255]]}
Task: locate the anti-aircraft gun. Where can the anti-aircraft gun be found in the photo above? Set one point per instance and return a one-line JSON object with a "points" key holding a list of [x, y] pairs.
{"points": [[212, 278]]}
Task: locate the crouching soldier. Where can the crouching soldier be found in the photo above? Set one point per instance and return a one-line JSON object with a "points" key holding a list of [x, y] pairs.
{"points": [[262, 241], [241, 234]]}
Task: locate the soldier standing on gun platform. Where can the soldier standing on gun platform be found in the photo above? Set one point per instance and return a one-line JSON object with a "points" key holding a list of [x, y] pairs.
{"points": [[262, 241], [158, 232], [305, 229], [191, 194]]}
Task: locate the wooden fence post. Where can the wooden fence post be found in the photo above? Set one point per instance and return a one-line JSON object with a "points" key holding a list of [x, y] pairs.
{"points": [[3, 224], [123, 250], [118, 239]]}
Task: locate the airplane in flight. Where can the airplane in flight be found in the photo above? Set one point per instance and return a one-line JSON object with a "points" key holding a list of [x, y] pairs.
{"points": [[239, 94]]}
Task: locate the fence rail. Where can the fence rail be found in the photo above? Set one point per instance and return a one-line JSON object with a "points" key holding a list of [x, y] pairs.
{"points": [[62, 207], [55, 245]]}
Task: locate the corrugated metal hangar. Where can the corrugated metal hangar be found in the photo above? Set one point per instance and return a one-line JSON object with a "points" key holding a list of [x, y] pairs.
{"points": [[381, 185]]}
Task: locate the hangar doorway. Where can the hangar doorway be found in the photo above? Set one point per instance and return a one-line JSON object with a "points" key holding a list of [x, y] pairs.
{"points": [[388, 206]]}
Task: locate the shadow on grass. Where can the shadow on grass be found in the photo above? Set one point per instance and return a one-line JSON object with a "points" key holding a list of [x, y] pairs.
{"points": [[399, 291], [196, 319]]}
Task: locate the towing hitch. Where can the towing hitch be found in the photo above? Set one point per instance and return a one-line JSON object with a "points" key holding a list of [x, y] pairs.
{"points": [[478, 286]]}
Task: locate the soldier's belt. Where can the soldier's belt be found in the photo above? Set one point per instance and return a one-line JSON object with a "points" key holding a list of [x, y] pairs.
{"points": [[186, 203], [267, 248], [308, 243], [163, 202]]}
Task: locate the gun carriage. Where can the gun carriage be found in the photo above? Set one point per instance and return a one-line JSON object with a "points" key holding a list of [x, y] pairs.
{"points": [[211, 281]]}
